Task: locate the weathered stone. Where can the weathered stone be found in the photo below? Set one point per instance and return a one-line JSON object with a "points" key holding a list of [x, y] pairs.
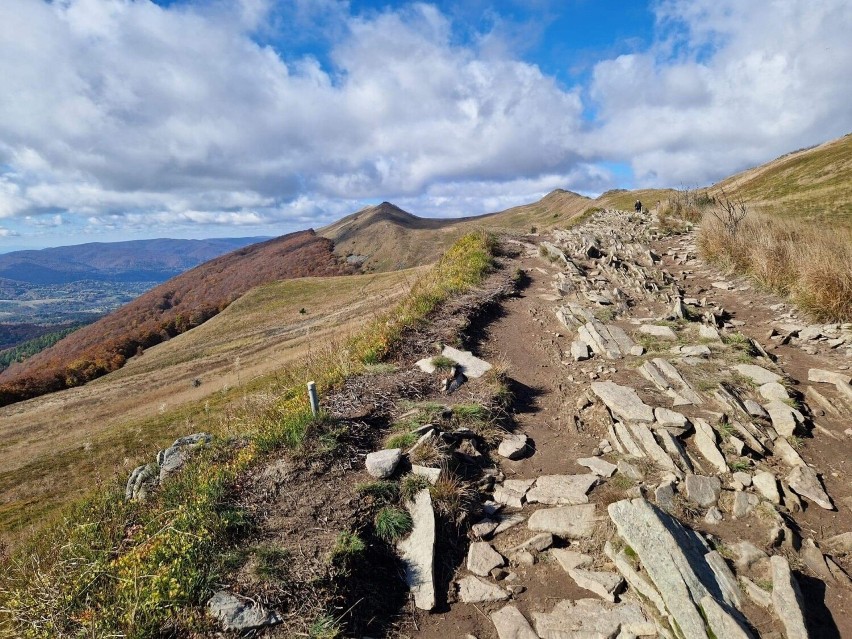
{"points": [[839, 543], [815, 560], [744, 504], [236, 614], [757, 374], [568, 522], [570, 559], [592, 618], [742, 478], [482, 558], [471, 366], [418, 551], [475, 590], [713, 516], [784, 419], [754, 409], [141, 481], [709, 333], [562, 490], [670, 419], [598, 466], [627, 441], [513, 446], [829, 377], [683, 390], [623, 402], [432, 475], [804, 481], [766, 484], [705, 441], [507, 521], [702, 490], [636, 581], [788, 454], [660, 332], [629, 470], [603, 584], [695, 351], [773, 391], [757, 594], [508, 497], [540, 542], [645, 437], [664, 496], [721, 622], [579, 350], [382, 463], [747, 554], [725, 578], [787, 598], [675, 449], [176, 455], [511, 624], [522, 558], [484, 528]]}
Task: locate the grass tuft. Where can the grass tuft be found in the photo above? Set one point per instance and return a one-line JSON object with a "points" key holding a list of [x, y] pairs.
{"points": [[392, 523], [412, 484]]}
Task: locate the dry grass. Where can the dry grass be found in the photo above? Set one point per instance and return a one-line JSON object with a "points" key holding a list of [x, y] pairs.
{"points": [[810, 264]]}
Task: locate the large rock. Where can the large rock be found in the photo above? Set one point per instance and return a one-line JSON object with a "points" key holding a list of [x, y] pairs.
{"points": [[660, 332], [598, 466], [804, 481], [472, 366], [511, 624], [725, 578], [623, 402], [592, 618], [382, 463], [236, 614], [570, 559], [418, 551], [475, 590], [722, 622], [562, 490], [513, 446], [568, 522], [757, 374], [766, 484], [603, 584], [671, 420], [141, 481], [579, 350], [702, 490], [705, 441], [482, 558], [674, 559], [176, 455], [784, 418], [787, 598], [773, 391]]}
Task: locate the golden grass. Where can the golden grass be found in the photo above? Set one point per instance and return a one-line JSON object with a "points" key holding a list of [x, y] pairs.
{"points": [[809, 263]]}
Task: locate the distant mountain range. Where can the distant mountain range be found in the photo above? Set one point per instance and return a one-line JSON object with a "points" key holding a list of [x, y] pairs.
{"points": [[133, 261]]}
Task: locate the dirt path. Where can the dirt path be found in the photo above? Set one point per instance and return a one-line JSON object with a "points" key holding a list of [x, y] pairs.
{"points": [[550, 388]]}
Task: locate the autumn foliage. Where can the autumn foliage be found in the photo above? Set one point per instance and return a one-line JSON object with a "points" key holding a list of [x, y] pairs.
{"points": [[165, 311]]}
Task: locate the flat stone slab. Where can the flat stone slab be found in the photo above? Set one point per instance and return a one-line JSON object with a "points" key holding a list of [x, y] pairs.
{"points": [[766, 484], [787, 598], [623, 402], [592, 618], [507, 521], [475, 590], [829, 377], [599, 466], [705, 441], [568, 522], [482, 558], [513, 446], [773, 391], [660, 332], [382, 463], [757, 374], [721, 623], [484, 527], [667, 418], [432, 475], [579, 350], [754, 409], [570, 559], [804, 481], [418, 551], [603, 584], [472, 366], [562, 490], [236, 614], [702, 490], [511, 624], [784, 418]]}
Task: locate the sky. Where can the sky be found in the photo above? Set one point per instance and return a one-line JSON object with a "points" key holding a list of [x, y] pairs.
{"points": [[128, 119]]}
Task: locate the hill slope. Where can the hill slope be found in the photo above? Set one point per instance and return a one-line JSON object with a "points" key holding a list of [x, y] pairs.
{"points": [[165, 311], [134, 261]]}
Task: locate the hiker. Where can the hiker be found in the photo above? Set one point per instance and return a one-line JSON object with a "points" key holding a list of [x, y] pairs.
{"points": [[638, 206]]}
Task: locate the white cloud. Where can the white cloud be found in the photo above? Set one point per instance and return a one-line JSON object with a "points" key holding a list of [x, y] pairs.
{"points": [[732, 84]]}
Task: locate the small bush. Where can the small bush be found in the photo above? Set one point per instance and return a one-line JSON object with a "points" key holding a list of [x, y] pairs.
{"points": [[392, 523]]}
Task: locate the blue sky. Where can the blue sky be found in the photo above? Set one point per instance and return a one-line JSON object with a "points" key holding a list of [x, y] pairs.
{"points": [[123, 119]]}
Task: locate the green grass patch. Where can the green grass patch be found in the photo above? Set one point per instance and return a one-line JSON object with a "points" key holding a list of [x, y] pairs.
{"points": [[381, 490], [402, 440], [443, 363], [347, 547], [392, 523], [412, 484]]}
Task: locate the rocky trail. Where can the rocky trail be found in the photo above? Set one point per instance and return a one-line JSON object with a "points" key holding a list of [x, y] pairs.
{"points": [[678, 466]]}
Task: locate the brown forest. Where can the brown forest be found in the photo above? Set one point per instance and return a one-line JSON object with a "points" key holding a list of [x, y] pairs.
{"points": [[167, 310]]}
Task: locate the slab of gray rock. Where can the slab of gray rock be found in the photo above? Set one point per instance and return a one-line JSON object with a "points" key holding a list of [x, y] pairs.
{"points": [[570, 559], [705, 441], [598, 466], [432, 475], [482, 558], [472, 367], [709, 333], [660, 332], [671, 420], [568, 522], [513, 446], [722, 622], [484, 527], [237, 614], [829, 377], [629, 470], [757, 374], [511, 624], [744, 504], [702, 490], [475, 590], [507, 521], [757, 594], [804, 481], [784, 418], [382, 463], [754, 409], [562, 490], [664, 496], [637, 581], [603, 584], [787, 598], [839, 543], [141, 481], [592, 618], [766, 484], [713, 516], [418, 551], [773, 391], [579, 350], [747, 554], [725, 578], [784, 451], [623, 402], [176, 455]]}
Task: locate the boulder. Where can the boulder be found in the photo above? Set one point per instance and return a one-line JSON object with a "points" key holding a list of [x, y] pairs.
{"points": [[702, 490], [623, 402], [592, 618], [432, 475], [705, 441], [744, 504], [784, 418], [787, 599], [757, 374], [579, 350], [141, 481], [513, 446], [176, 455], [476, 590], [570, 559], [670, 419], [773, 391], [511, 624], [598, 466], [754, 409], [382, 463], [721, 622], [482, 558], [236, 614], [660, 332], [418, 551], [766, 484], [804, 481], [471, 366]]}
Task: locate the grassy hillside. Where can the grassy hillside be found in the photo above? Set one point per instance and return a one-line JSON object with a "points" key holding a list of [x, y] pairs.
{"points": [[813, 183], [56, 446], [170, 309]]}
